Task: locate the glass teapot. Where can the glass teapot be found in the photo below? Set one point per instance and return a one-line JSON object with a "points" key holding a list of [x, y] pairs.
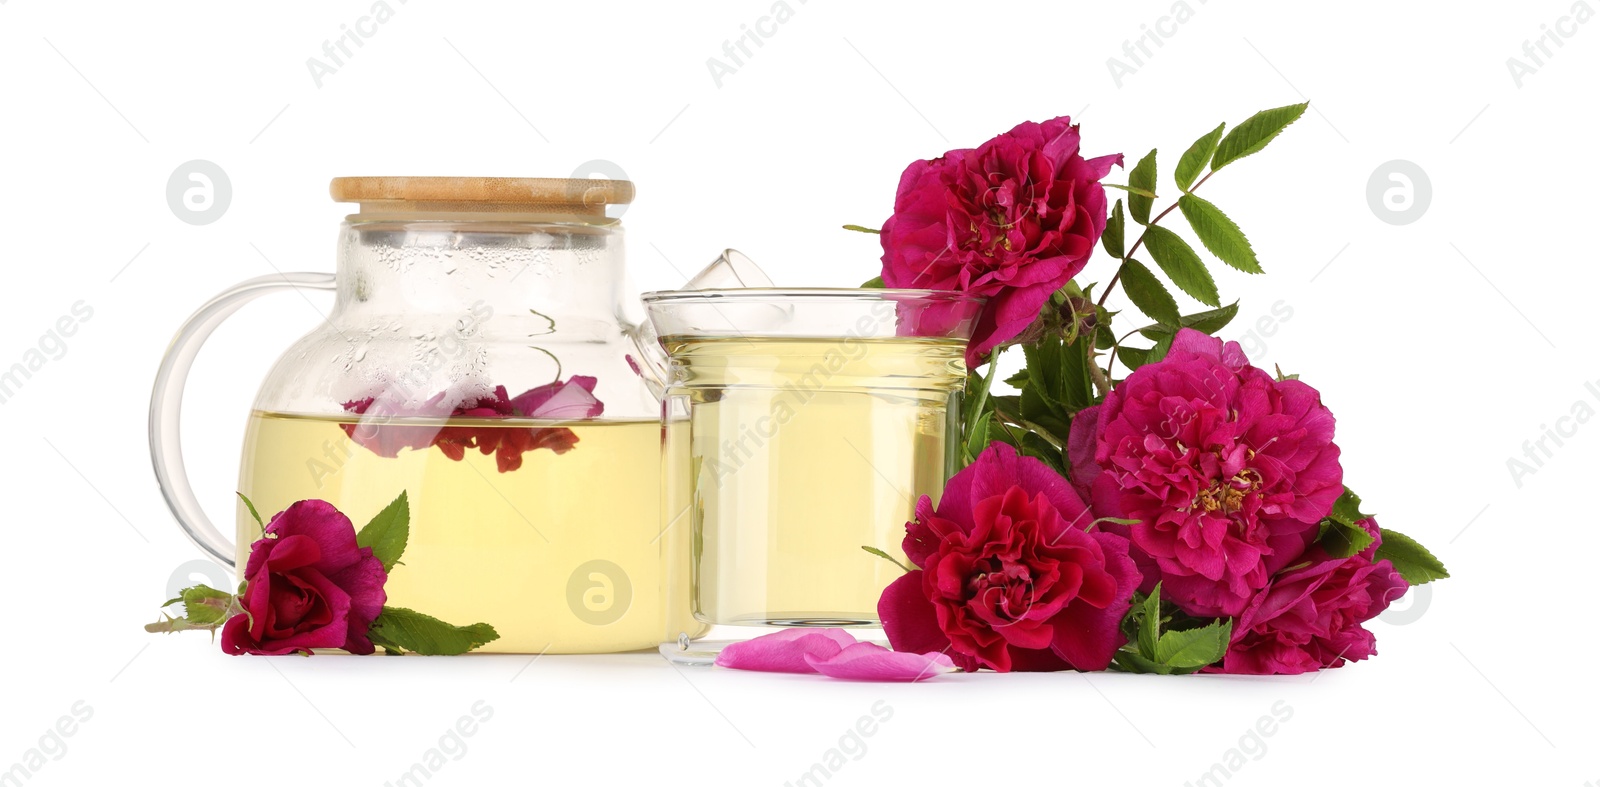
{"points": [[479, 358]]}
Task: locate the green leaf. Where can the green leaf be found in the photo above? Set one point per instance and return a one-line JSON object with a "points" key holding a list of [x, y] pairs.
{"points": [[403, 629], [978, 435], [1128, 661], [252, 508], [1254, 134], [1187, 648], [1055, 382], [1150, 623], [1135, 357], [1043, 361], [1039, 448], [1219, 234], [1130, 189], [978, 393], [1339, 534], [1007, 406], [999, 432], [1159, 351], [1111, 239], [1043, 414], [1156, 332], [1058, 384], [888, 557], [1207, 322], [1194, 159], [1341, 540], [1142, 176], [1194, 648], [1411, 559], [1347, 509], [1148, 293], [386, 534], [1019, 379], [1181, 264], [1077, 388], [874, 283]]}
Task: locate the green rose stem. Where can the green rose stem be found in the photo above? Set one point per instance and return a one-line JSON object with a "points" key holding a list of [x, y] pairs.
{"points": [[1111, 358], [1101, 382], [1096, 374]]}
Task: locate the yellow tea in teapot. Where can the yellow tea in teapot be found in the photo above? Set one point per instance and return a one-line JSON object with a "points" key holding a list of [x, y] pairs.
{"points": [[558, 544]]}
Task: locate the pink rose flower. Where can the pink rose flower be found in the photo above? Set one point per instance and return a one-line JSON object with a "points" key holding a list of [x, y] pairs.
{"points": [[1310, 618], [1228, 471], [1013, 220], [1011, 577], [309, 586]]}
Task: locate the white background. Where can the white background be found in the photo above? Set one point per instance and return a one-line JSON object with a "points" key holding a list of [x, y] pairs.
{"points": [[1441, 345]]}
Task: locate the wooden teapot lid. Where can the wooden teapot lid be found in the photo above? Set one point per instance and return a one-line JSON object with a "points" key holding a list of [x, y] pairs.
{"points": [[571, 196]]}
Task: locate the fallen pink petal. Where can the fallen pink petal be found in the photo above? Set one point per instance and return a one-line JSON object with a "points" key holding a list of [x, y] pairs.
{"points": [[789, 650], [869, 661]]}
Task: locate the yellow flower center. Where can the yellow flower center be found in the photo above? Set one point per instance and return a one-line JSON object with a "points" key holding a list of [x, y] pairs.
{"points": [[1228, 495]]}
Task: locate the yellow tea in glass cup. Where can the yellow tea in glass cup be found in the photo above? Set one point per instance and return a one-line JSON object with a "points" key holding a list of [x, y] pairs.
{"points": [[800, 427]]}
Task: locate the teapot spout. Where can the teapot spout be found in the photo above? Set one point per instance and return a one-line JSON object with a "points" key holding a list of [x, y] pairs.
{"points": [[649, 358], [730, 271]]}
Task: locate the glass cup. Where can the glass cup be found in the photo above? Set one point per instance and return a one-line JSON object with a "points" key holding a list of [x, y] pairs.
{"points": [[800, 427]]}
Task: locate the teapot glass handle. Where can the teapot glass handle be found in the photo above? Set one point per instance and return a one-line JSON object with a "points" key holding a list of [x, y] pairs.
{"points": [[166, 402]]}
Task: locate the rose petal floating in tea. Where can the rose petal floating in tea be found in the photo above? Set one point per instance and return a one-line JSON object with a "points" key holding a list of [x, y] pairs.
{"points": [[570, 400]]}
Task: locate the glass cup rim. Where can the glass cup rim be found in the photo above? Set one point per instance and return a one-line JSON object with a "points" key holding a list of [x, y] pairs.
{"points": [[835, 294]]}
